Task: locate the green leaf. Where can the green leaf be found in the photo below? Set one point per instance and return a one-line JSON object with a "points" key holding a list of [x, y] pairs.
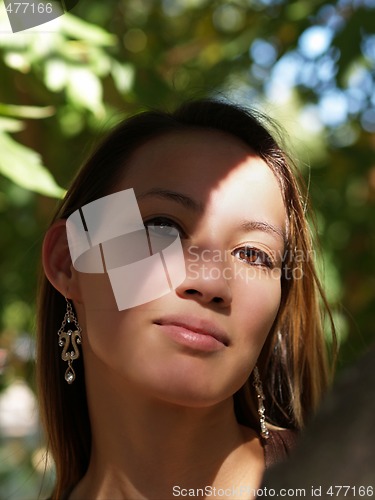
{"points": [[26, 111], [85, 89], [11, 125], [90, 33], [123, 76], [23, 166]]}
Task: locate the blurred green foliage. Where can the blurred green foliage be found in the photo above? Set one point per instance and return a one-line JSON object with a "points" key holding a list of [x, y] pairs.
{"points": [[308, 63]]}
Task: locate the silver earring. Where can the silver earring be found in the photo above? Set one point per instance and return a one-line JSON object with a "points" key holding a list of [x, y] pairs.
{"points": [[261, 410], [68, 340]]}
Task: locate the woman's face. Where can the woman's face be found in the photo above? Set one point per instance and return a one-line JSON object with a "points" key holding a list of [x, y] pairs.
{"points": [[198, 344]]}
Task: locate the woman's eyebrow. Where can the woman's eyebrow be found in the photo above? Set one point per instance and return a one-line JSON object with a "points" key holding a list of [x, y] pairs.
{"points": [[196, 206], [255, 225], [180, 198]]}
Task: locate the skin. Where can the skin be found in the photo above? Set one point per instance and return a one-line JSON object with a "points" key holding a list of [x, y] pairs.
{"points": [[162, 411]]}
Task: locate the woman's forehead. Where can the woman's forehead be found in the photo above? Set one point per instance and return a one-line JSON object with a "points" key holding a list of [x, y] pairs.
{"points": [[206, 154]]}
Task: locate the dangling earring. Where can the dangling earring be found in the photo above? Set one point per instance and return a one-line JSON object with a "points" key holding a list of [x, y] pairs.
{"points": [[261, 410], [73, 336]]}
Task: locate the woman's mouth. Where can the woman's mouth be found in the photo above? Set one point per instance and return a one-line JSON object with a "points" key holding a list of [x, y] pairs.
{"points": [[197, 334]]}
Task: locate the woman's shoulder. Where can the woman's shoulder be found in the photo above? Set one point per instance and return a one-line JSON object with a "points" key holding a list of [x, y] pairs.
{"points": [[279, 445]]}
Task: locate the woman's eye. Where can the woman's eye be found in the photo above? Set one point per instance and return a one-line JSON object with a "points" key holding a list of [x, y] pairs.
{"points": [[163, 226], [253, 256]]}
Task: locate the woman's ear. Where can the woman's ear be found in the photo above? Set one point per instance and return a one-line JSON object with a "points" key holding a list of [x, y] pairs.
{"points": [[57, 262]]}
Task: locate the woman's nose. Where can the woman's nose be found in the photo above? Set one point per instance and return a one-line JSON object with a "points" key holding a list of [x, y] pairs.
{"points": [[207, 281]]}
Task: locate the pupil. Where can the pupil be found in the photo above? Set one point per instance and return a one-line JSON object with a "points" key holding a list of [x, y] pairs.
{"points": [[251, 255]]}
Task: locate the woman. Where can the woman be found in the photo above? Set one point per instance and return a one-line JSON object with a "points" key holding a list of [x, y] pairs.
{"points": [[194, 389]]}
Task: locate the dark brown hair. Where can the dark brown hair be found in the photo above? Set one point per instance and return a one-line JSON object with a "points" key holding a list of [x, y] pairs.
{"points": [[293, 363]]}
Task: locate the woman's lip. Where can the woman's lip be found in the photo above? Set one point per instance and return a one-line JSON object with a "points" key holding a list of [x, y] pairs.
{"points": [[194, 332]]}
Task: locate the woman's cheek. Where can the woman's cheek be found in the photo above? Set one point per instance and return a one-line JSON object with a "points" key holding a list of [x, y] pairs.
{"points": [[258, 304]]}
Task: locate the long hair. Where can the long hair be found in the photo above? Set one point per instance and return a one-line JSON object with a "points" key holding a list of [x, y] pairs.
{"points": [[293, 363]]}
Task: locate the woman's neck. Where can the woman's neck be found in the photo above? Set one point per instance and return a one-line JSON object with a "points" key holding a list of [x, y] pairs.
{"points": [[145, 448]]}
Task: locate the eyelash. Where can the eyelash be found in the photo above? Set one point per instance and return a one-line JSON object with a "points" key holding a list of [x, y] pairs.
{"points": [[165, 222], [251, 252]]}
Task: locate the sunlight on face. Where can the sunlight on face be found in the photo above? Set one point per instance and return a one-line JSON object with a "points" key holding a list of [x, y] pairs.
{"points": [[197, 345]]}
